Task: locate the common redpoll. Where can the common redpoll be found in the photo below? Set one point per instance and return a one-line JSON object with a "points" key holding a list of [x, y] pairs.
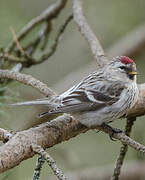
{"points": [[100, 98]]}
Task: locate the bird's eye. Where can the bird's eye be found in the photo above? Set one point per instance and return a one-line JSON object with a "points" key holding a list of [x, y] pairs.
{"points": [[122, 67]]}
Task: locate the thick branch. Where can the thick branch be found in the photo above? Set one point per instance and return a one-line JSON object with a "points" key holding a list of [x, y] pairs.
{"points": [[19, 147], [87, 32], [139, 108]]}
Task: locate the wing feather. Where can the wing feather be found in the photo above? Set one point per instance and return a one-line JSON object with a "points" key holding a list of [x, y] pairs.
{"points": [[88, 96]]}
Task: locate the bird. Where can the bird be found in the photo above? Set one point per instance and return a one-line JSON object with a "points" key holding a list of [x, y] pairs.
{"points": [[100, 98]]}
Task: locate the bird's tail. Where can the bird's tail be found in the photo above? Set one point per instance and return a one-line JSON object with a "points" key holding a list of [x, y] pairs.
{"points": [[29, 103], [52, 103], [44, 101]]}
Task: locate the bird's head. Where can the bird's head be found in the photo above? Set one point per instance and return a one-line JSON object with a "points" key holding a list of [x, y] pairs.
{"points": [[122, 68]]}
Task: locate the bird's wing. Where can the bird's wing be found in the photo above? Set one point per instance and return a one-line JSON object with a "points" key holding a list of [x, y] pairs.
{"points": [[88, 96]]}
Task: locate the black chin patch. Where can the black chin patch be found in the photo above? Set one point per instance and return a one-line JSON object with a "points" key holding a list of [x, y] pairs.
{"points": [[131, 76]]}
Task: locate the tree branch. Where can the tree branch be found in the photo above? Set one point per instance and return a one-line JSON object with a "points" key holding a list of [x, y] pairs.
{"points": [[123, 150], [28, 80], [46, 135], [133, 170], [86, 31], [57, 172], [26, 59], [39, 164], [56, 41], [51, 12]]}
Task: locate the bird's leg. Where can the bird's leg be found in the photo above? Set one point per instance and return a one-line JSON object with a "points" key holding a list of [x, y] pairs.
{"points": [[112, 130]]}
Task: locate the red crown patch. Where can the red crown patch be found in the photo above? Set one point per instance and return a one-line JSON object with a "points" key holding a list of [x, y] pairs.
{"points": [[126, 60]]}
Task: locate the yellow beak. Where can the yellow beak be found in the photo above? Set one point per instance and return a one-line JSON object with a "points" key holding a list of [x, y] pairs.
{"points": [[133, 73]]}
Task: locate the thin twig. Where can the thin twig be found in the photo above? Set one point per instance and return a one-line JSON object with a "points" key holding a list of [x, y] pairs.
{"points": [[50, 13], [125, 139], [12, 58], [16, 40], [48, 28], [123, 150], [31, 47], [89, 35], [60, 175], [133, 170], [39, 164], [53, 48], [29, 61], [24, 54], [17, 67], [56, 41]]}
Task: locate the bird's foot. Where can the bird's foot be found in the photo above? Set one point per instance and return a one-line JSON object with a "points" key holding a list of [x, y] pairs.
{"points": [[112, 130]]}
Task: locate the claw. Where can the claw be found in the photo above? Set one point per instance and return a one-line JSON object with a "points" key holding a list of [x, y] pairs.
{"points": [[112, 130]]}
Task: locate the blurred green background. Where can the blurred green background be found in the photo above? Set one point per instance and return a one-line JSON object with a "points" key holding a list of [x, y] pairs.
{"points": [[110, 20]]}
